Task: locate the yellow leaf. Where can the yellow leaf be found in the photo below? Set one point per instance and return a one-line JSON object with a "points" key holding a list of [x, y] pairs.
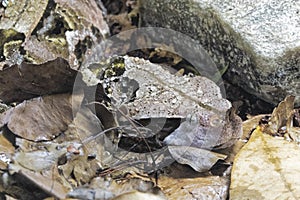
{"points": [[266, 168]]}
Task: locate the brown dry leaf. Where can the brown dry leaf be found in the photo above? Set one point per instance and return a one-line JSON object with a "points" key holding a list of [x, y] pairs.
{"points": [[89, 193], [52, 187], [84, 170], [43, 118], [248, 126], [22, 183], [23, 15], [36, 161], [82, 161], [80, 169], [102, 188], [4, 117], [86, 125], [5, 146], [123, 20], [39, 51], [281, 116], [6, 150], [165, 51], [19, 187], [211, 187], [266, 168], [87, 11], [200, 160], [26, 81], [136, 195]]}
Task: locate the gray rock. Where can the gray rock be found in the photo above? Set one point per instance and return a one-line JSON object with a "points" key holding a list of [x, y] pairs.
{"points": [[259, 41]]}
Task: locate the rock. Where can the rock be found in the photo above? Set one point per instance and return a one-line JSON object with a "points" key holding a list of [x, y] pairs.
{"points": [[259, 41]]}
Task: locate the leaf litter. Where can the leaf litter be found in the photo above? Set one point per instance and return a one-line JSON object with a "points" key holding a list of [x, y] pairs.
{"points": [[267, 167], [52, 135], [59, 149], [51, 148]]}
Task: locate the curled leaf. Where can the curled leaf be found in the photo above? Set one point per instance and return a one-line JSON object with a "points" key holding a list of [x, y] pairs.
{"points": [[199, 159], [281, 116]]}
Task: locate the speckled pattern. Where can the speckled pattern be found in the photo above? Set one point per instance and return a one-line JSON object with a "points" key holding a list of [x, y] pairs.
{"points": [[257, 40], [210, 121]]}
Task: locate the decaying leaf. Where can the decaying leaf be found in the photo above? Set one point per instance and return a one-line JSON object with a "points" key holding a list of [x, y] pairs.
{"points": [[59, 29], [200, 160], [268, 167], [36, 160], [164, 52], [281, 118], [136, 195], [22, 183], [19, 187], [248, 126], [84, 11], [8, 35], [101, 188], [39, 158], [26, 81], [52, 187], [22, 16], [84, 126], [211, 187], [43, 118], [90, 193], [39, 51], [5, 146], [80, 169], [6, 151]]}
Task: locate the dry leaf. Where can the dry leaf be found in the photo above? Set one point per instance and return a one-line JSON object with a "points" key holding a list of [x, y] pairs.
{"points": [[23, 15], [89, 193], [164, 52], [18, 83], [281, 117], [36, 161], [19, 187], [39, 51], [22, 183], [248, 126], [86, 125], [5, 146], [102, 188], [87, 11], [266, 168], [200, 160], [43, 118], [136, 195], [52, 187], [211, 187], [84, 170], [6, 150]]}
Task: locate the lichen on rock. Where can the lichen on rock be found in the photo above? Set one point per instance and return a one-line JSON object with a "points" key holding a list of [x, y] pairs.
{"points": [[257, 40]]}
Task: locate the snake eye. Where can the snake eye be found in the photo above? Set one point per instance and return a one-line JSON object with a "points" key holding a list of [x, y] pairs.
{"points": [[215, 121]]}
